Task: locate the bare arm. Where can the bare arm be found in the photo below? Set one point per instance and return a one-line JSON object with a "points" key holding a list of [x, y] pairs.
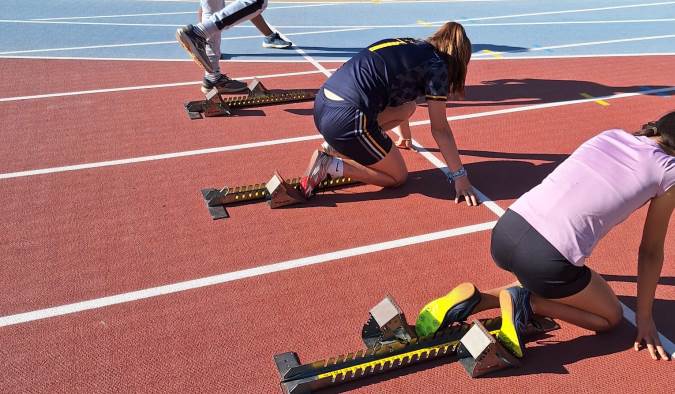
{"points": [[650, 262], [440, 130]]}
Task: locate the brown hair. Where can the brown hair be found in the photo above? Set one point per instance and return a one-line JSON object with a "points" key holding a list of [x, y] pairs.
{"points": [[664, 128], [451, 40]]}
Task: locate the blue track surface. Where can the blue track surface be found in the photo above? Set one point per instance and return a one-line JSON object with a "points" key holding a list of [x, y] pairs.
{"points": [[109, 29]]}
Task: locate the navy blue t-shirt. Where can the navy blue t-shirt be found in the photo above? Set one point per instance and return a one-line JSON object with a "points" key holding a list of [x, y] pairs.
{"points": [[391, 72]]}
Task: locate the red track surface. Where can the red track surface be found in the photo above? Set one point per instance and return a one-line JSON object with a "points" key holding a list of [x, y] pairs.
{"points": [[81, 235]]}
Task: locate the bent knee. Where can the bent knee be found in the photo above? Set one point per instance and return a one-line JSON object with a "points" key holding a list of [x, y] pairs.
{"points": [[613, 318], [399, 179]]}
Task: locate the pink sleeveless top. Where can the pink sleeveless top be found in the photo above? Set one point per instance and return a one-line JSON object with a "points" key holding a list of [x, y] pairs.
{"points": [[605, 180]]}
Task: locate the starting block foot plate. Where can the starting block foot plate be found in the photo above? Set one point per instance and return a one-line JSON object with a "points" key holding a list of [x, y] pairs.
{"points": [[282, 193], [480, 353]]}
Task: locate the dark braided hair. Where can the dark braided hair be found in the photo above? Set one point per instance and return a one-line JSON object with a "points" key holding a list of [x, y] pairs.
{"points": [[663, 128]]}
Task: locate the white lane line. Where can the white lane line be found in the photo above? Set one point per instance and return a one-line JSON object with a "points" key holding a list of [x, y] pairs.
{"points": [[173, 42], [333, 60], [562, 12], [304, 54], [237, 275], [582, 44], [194, 12], [667, 344], [2, 54], [141, 159], [165, 156], [142, 87], [364, 27]]}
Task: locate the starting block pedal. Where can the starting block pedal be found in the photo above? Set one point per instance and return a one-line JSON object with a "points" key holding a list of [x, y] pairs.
{"points": [[282, 193], [386, 324], [480, 353]]}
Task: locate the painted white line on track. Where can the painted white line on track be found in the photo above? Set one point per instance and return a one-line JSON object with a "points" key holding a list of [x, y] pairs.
{"points": [[576, 11], [141, 159], [238, 275], [582, 44], [304, 54], [143, 87], [332, 60], [165, 156], [667, 344], [365, 27], [172, 42]]}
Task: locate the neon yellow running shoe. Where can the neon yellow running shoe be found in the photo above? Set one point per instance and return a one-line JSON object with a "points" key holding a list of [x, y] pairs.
{"points": [[516, 312], [455, 306]]}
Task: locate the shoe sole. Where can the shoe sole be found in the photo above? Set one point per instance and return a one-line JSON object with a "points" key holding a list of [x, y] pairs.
{"points": [[191, 50], [508, 334], [275, 46], [436, 313]]}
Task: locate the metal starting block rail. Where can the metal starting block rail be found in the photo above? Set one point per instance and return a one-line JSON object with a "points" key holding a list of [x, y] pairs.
{"points": [[397, 347], [217, 105], [278, 192]]}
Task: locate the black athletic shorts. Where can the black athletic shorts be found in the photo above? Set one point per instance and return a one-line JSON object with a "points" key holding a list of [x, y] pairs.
{"points": [[352, 132], [518, 248]]}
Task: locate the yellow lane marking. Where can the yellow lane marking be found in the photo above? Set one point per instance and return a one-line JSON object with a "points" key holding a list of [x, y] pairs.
{"points": [[601, 102]]}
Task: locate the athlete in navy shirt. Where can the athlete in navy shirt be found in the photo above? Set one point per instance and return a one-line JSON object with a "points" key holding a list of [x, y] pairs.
{"points": [[376, 91]]}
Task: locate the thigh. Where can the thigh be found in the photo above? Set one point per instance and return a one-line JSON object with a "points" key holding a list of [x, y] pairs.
{"points": [[393, 116], [212, 6], [597, 298], [393, 165]]}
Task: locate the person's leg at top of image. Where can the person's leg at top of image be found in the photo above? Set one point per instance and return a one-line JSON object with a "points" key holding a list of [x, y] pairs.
{"points": [[194, 38], [214, 78]]}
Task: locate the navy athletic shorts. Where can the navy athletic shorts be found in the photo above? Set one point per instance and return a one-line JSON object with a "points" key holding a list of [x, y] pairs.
{"points": [[350, 131]]}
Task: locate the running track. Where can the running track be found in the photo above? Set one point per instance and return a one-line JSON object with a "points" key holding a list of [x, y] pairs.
{"points": [[117, 280]]}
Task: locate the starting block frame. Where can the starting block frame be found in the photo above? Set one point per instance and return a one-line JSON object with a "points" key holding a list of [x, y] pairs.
{"points": [[283, 193], [217, 105], [383, 357]]}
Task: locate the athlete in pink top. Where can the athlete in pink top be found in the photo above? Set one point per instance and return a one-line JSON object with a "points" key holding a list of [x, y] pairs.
{"points": [[546, 235]]}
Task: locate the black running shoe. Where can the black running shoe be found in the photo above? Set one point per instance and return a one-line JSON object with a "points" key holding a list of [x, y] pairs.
{"points": [[195, 45], [224, 85]]}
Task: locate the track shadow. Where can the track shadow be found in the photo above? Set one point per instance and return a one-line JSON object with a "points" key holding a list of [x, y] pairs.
{"points": [[336, 52], [554, 355], [662, 312], [498, 179], [536, 91], [247, 112], [664, 280], [349, 52], [478, 48], [301, 111]]}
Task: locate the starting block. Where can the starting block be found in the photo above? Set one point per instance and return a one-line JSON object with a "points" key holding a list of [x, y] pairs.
{"points": [[258, 95], [387, 324], [277, 191], [391, 349], [480, 353], [282, 193]]}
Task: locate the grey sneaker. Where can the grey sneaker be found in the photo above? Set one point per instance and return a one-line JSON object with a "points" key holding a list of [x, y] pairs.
{"points": [[224, 85], [275, 41], [195, 46]]}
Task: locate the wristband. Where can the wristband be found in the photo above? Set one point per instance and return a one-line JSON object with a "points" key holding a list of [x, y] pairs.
{"points": [[457, 174]]}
